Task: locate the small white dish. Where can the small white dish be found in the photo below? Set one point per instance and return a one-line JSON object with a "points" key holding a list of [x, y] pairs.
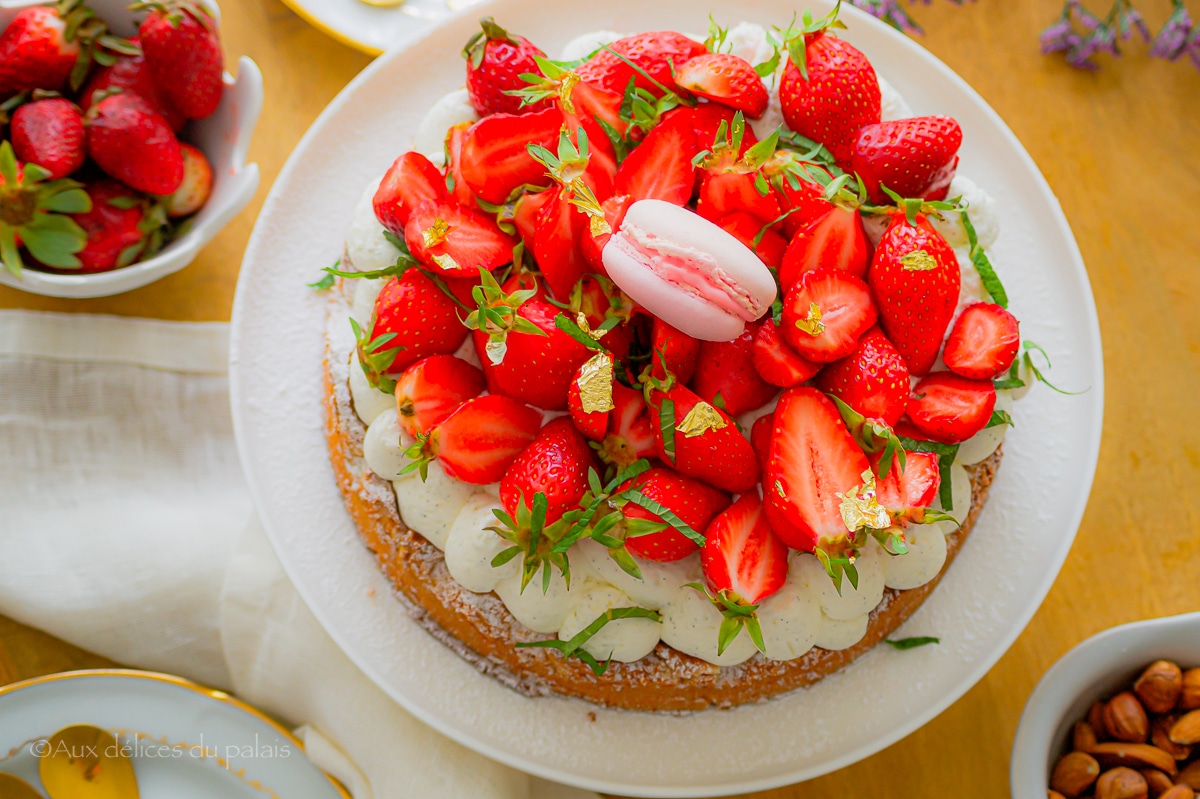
{"points": [[1097, 668], [225, 139], [373, 28], [185, 741]]}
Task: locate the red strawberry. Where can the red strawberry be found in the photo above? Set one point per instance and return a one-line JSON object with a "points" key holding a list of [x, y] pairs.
{"points": [[839, 96], [725, 192], [424, 319], [592, 245], [410, 181], [559, 229], [456, 241], [133, 143], [116, 227], [705, 120], [128, 73], [778, 363], [726, 79], [593, 424], [983, 342], [825, 313], [432, 389], [913, 157], [760, 439], [916, 280], [630, 436], [660, 168], [555, 464], [813, 458], [455, 183], [692, 501], [35, 52], [196, 186], [949, 408], [496, 59], [675, 351], [657, 53], [718, 455], [526, 210], [913, 486], [727, 368], [799, 195], [479, 441], [183, 55], [836, 240], [746, 228], [872, 380], [495, 161], [741, 556], [49, 133]]}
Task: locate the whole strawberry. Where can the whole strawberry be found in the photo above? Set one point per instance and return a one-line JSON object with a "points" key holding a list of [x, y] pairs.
{"points": [[914, 157], [183, 54], [120, 227], [692, 502], [872, 380], [128, 73], [197, 182], [556, 464], [133, 143], [44, 45], [424, 320], [657, 54], [496, 59], [49, 133], [915, 278]]}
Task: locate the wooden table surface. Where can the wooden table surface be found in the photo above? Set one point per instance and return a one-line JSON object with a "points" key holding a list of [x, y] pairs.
{"points": [[1121, 148]]}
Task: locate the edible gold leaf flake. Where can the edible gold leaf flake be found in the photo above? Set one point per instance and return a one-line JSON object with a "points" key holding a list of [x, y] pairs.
{"points": [[581, 320], [918, 261], [700, 419], [860, 509], [595, 384], [585, 200], [436, 233], [446, 262], [566, 88], [812, 324], [779, 490]]}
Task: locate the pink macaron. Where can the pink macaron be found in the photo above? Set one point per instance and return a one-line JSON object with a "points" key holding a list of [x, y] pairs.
{"points": [[687, 271]]}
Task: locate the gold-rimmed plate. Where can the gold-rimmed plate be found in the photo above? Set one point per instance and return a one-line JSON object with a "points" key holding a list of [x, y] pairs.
{"points": [[185, 741], [374, 26]]}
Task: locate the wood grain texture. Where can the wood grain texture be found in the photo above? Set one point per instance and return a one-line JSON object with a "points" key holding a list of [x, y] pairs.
{"points": [[1121, 148]]}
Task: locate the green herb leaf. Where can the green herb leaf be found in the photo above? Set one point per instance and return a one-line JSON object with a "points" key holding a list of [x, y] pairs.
{"points": [[911, 643], [664, 513], [946, 454], [987, 274], [574, 646], [666, 424], [322, 283], [569, 326]]}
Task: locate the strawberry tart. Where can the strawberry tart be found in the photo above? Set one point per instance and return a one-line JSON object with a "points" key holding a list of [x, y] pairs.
{"points": [[672, 373]]}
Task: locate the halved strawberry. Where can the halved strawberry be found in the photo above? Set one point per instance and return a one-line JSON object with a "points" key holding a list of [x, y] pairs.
{"points": [[915, 485], [813, 458], [746, 228], [432, 389], [705, 120], [479, 441], [456, 241], [836, 240], [692, 501], [630, 435], [557, 233], [760, 438], [674, 350], [825, 313], [660, 168], [495, 161], [914, 157], [983, 342], [657, 53], [424, 320], [555, 464], [741, 556], [872, 380], [726, 368], [726, 79], [410, 182], [592, 244], [709, 446], [455, 183], [526, 210], [778, 363], [949, 408], [726, 192]]}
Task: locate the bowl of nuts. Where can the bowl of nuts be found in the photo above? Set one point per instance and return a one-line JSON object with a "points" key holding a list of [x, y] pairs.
{"points": [[1118, 717]]}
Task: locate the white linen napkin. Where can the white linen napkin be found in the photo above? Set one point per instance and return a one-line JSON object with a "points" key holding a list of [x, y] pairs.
{"points": [[126, 529]]}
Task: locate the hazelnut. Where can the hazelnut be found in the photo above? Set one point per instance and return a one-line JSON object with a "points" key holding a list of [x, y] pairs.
{"points": [[1083, 737], [1190, 776], [1158, 782], [1189, 697], [1125, 719], [1186, 731], [1053, 794], [1112, 754], [1074, 773], [1179, 792], [1159, 686], [1122, 783], [1095, 718], [1160, 737]]}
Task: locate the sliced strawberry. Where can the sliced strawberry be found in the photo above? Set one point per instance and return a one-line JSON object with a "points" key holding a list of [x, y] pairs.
{"points": [[630, 434], [727, 192], [456, 241], [432, 389], [746, 228], [872, 380], [479, 441], [424, 319], [778, 363], [555, 464], [657, 53], [741, 556], [726, 368], [760, 439], [705, 120], [675, 351], [692, 501], [496, 59], [557, 233], [915, 485], [525, 213], [726, 79], [949, 408], [455, 184], [411, 181], [983, 343], [914, 157], [813, 458], [660, 168], [495, 161], [718, 455], [825, 313], [836, 240]]}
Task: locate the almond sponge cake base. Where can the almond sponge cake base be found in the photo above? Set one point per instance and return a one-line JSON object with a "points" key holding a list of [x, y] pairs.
{"points": [[480, 629]]}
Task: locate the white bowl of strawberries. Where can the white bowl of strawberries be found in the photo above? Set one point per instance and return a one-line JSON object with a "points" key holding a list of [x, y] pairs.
{"points": [[123, 147]]}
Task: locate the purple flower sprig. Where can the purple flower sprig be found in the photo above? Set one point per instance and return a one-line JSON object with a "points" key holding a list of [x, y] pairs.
{"points": [[894, 14], [1178, 37], [1080, 34]]}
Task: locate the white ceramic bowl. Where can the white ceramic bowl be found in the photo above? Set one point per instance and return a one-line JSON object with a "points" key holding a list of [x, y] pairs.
{"points": [[224, 137], [1099, 667]]}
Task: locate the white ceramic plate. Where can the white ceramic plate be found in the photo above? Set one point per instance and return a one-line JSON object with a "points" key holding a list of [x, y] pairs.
{"points": [[185, 742], [986, 600], [374, 29]]}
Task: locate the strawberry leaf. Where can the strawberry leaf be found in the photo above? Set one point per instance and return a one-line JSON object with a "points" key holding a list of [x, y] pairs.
{"points": [[1000, 417]]}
